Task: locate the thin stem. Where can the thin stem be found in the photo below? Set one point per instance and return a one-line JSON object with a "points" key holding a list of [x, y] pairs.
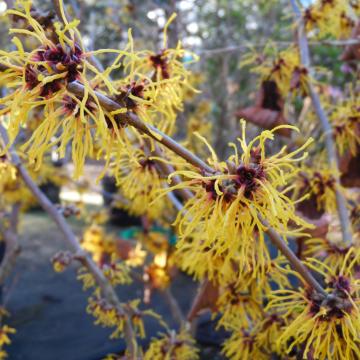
{"points": [[293, 259], [245, 47], [167, 169], [326, 127], [106, 288], [174, 307], [149, 130]]}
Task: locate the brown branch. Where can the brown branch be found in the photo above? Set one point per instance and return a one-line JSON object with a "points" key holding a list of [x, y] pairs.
{"points": [[131, 119], [326, 127], [174, 307], [106, 288], [167, 169], [293, 259], [246, 47]]}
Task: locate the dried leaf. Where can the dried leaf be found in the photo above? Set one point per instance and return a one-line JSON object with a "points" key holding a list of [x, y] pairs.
{"points": [[321, 226], [205, 299], [268, 110], [352, 52], [309, 208], [123, 248], [350, 169]]}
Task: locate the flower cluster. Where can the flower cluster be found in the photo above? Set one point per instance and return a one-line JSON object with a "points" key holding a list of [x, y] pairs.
{"points": [[345, 119], [108, 315], [335, 17], [135, 162], [229, 204], [152, 87], [5, 332], [156, 84], [324, 326], [281, 66], [256, 343], [320, 185], [172, 346]]}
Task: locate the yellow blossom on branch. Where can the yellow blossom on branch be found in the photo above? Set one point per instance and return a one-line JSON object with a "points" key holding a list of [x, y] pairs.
{"points": [[172, 346], [226, 204], [320, 185], [327, 327], [345, 119], [139, 180], [5, 331], [336, 18]]}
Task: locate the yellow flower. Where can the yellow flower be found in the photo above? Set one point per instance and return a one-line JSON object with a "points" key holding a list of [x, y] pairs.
{"points": [[240, 308], [172, 346], [157, 273], [258, 342], [39, 82], [98, 243], [268, 331], [201, 262], [331, 253], [331, 249], [282, 66], [107, 315], [320, 185], [62, 260], [156, 83], [327, 326], [139, 180], [191, 257], [136, 256], [345, 119], [12, 188], [336, 18], [242, 346], [155, 241], [87, 279], [117, 273], [5, 331], [227, 204]]}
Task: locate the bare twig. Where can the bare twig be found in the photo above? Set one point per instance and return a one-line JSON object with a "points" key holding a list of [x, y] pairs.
{"points": [[107, 290], [175, 308], [167, 169], [293, 259], [327, 129], [149, 130], [246, 47]]}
